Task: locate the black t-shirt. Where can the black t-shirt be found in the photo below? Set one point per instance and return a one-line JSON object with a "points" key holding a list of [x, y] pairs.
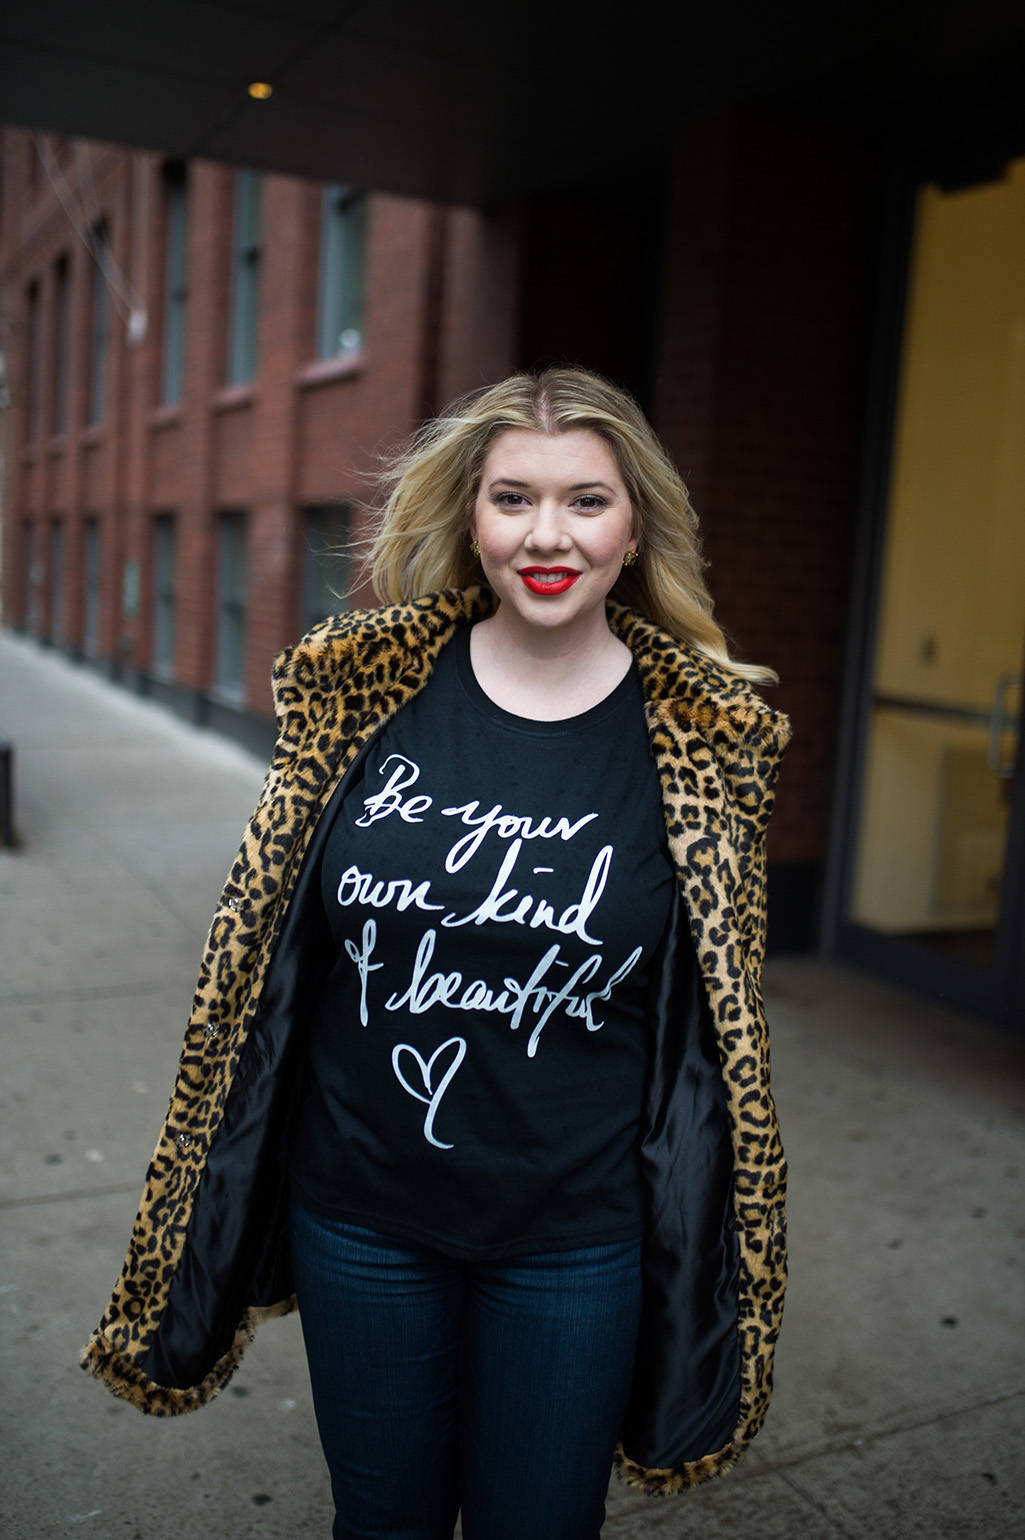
{"points": [[495, 888]]}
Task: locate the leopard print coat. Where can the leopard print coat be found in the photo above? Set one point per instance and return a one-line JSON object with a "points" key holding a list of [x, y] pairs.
{"points": [[717, 748]]}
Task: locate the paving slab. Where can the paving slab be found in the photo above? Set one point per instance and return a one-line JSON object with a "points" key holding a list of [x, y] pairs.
{"points": [[86, 1115], [905, 1131], [79, 1462], [956, 1477]]}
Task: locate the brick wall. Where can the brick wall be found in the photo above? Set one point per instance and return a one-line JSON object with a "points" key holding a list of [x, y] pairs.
{"points": [[760, 396], [439, 318]]}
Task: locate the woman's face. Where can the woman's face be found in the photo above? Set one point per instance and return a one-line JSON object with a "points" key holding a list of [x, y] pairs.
{"points": [[553, 521]]}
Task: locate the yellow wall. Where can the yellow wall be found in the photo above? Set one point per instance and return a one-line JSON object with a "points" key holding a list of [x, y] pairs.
{"points": [[952, 616]]}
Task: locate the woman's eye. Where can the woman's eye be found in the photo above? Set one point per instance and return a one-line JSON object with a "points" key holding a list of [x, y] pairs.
{"points": [[591, 502], [510, 499]]}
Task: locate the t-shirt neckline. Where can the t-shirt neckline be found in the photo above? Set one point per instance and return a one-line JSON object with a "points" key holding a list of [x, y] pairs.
{"points": [[617, 696]]}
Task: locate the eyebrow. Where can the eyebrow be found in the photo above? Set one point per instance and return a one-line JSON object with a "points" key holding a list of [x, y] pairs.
{"points": [[578, 486]]}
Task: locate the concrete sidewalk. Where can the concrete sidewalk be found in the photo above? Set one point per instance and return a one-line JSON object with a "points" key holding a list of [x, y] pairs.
{"points": [[899, 1408]]}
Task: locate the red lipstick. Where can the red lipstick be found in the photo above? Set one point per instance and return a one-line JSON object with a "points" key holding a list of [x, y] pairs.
{"points": [[549, 580]]}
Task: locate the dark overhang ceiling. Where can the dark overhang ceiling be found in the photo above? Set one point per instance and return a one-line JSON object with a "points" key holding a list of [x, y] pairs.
{"points": [[481, 102]]}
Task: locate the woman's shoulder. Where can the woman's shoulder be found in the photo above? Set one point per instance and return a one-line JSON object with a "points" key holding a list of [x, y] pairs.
{"points": [[682, 681], [339, 642]]}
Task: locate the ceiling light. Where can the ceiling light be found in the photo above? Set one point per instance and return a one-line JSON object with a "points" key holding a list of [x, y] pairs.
{"points": [[260, 90]]}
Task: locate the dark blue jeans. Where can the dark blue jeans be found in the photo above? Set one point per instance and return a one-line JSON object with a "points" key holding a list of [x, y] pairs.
{"points": [[494, 1389]]}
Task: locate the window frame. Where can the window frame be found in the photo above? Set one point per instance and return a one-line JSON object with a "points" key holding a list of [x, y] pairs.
{"points": [[320, 546], [92, 584], [176, 285], [243, 359], [34, 366], [61, 344], [99, 327], [230, 632], [164, 594], [341, 271], [56, 630]]}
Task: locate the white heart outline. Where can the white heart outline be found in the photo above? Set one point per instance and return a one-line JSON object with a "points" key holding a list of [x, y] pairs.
{"points": [[432, 1100]]}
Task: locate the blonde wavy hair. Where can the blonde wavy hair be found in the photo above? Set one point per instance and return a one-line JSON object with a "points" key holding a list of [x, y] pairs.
{"points": [[423, 541]]}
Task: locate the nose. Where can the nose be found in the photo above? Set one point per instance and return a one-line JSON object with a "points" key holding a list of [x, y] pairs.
{"points": [[547, 531]]}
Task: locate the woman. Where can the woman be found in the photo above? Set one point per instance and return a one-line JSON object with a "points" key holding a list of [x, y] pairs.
{"points": [[478, 1062]]}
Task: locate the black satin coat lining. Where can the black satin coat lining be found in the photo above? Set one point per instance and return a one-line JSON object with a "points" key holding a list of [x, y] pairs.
{"points": [[685, 1397], [236, 1248]]}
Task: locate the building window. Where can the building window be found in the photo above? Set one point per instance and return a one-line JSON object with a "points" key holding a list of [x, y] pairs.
{"points": [[175, 290], [340, 280], [91, 588], [57, 581], [61, 344], [99, 335], [34, 364], [244, 314], [326, 566], [30, 570], [162, 640], [231, 606]]}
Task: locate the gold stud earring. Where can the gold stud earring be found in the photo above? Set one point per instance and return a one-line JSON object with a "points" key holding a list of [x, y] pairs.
{"points": [[474, 548], [629, 558]]}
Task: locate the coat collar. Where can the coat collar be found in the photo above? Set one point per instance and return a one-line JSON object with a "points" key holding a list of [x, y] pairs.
{"points": [[683, 688]]}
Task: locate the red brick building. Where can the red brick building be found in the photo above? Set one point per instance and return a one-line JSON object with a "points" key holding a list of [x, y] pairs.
{"points": [[204, 365], [188, 432]]}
